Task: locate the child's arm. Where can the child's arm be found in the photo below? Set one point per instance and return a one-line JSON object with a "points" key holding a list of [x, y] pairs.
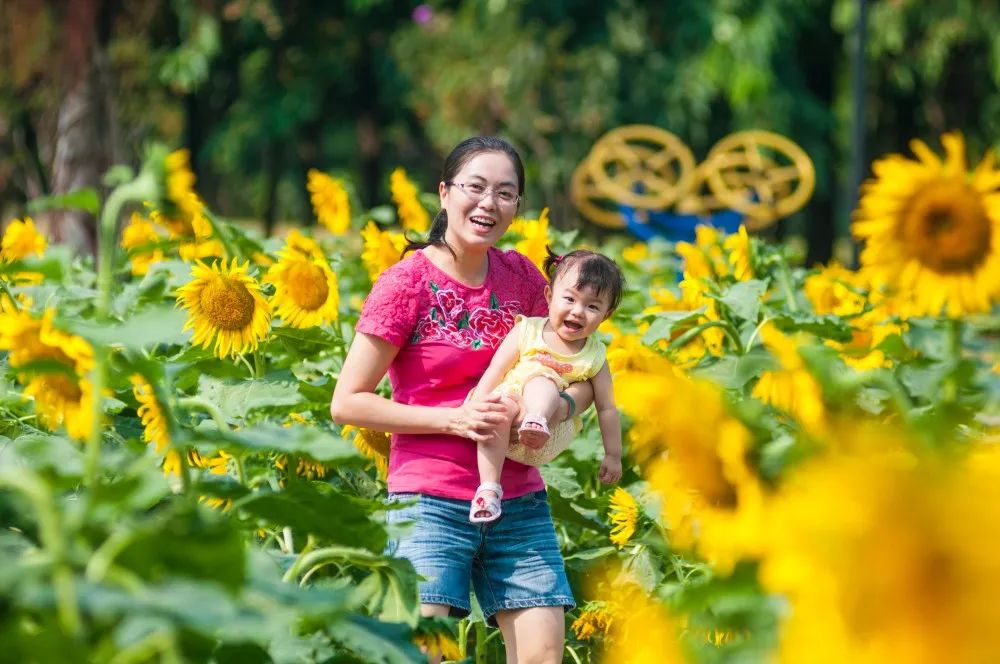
{"points": [[502, 361], [610, 424]]}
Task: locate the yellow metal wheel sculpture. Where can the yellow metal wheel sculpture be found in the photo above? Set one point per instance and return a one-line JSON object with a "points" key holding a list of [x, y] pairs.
{"points": [[640, 166], [761, 174]]}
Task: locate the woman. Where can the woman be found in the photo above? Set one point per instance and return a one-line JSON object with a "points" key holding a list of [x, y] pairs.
{"points": [[433, 322]]}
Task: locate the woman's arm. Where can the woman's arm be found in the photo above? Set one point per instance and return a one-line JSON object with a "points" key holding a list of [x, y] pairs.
{"points": [[355, 402]]}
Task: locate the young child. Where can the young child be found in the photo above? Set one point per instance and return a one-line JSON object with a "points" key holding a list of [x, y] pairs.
{"points": [[539, 358]]}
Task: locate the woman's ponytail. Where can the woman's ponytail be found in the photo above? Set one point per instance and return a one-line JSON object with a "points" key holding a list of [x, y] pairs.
{"points": [[434, 237]]}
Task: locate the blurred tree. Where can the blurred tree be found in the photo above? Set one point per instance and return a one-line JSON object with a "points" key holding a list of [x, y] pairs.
{"points": [[263, 90]]}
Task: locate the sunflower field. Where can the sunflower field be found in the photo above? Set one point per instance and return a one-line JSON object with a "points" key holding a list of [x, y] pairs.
{"points": [[812, 453]]}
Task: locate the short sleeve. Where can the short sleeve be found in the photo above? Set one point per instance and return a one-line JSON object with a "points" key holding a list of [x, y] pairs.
{"points": [[600, 357], [391, 309]]}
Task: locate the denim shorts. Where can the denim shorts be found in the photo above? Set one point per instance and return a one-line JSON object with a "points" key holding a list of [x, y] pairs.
{"points": [[511, 563]]}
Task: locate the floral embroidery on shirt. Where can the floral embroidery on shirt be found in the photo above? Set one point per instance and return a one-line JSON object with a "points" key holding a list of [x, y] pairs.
{"points": [[450, 320]]}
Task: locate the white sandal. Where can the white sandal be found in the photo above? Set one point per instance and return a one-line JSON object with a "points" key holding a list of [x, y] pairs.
{"points": [[534, 431], [483, 503]]}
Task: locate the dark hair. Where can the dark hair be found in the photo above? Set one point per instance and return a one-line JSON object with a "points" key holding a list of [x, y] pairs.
{"points": [[459, 157], [596, 271]]}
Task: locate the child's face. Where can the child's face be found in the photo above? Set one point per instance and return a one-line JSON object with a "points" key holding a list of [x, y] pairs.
{"points": [[575, 314]]}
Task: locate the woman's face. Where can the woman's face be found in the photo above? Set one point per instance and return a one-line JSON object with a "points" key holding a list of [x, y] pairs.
{"points": [[481, 201]]}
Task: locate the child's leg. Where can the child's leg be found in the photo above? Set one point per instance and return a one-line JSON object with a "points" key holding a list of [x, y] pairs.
{"points": [[541, 402], [490, 455]]}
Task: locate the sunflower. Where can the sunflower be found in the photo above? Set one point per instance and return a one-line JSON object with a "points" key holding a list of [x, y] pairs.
{"points": [[329, 201], [694, 297], [178, 226], [626, 352], [140, 239], [180, 184], [624, 514], [705, 258], [740, 254], [21, 240], [640, 630], [304, 468], [792, 388], [374, 445], [635, 253], [193, 251], [695, 455], [172, 462], [383, 249], [155, 430], [437, 643], [595, 620], [412, 215], [63, 399], [932, 229], [534, 238], [886, 557], [836, 290], [303, 245], [225, 305], [305, 292], [62, 393]]}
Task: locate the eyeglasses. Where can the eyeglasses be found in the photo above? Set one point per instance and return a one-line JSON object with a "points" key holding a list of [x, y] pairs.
{"points": [[477, 192]]}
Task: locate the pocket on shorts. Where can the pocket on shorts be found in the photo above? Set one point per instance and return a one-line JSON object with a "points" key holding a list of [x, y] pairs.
{"points": [[399, 513]]}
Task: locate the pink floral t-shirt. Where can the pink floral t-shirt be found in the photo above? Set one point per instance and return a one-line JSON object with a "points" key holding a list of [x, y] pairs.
{"points": [[447, 333]]}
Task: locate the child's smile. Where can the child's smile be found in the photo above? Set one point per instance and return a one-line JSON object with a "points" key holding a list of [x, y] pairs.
{"points": [[575, 314]]}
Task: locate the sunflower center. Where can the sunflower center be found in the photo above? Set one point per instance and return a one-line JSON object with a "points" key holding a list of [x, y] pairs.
{"points": [[66, 388], [945, 227], [306, 285], [227, 303]]}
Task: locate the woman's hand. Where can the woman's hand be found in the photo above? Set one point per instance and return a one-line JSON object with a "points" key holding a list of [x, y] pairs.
{"points": [[478, 418]]}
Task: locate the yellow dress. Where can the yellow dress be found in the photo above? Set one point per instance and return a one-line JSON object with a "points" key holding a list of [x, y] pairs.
{"points": [[536, 358]]}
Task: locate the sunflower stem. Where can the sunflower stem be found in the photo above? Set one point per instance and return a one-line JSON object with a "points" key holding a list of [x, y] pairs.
{"points": [[10, 296], [219, 231], [298, 565], [463, 638], [785, 280], [241, 473], [950, 388], [208, 407], [259, 363], [243, 358], [92, 454], [51, 533], [480, 642], [888, 381], [753, 336], [143, 187], [695, 331], [185, 471]]}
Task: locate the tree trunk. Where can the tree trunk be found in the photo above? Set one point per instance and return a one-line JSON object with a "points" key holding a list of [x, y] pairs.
{"points": [[85, 131]]}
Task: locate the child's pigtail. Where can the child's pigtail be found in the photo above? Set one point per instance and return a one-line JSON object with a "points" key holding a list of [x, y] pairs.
{"points": [[551, 264]]}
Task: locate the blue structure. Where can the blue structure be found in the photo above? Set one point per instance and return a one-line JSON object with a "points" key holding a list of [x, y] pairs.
{"points": [[647, 224]]}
